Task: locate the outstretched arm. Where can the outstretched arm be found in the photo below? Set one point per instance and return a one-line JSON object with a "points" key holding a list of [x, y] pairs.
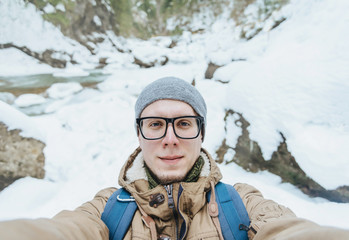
{"points": [[82, 223], [270, 220]]}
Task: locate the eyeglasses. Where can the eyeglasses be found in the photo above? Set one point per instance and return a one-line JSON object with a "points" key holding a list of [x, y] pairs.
{"points": [[186, 127]]}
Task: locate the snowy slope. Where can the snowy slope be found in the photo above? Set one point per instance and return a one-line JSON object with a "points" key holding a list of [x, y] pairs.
{"points": [[23, 26], [298, 84]]}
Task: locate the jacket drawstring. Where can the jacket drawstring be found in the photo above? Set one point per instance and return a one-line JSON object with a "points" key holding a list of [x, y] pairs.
{"points": [[149, 222], [212, 207]]}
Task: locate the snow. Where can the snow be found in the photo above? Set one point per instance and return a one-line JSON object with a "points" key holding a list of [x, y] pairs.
{"points": [[60, 7], [16, 63], [293, 79], [61, 90], [17, 18], [233, 131], [7, 97], [299, 76], [49, 8], [97, 20], [147, 52], [26, 100], [22, 25], [71, 71], [15, 119]]}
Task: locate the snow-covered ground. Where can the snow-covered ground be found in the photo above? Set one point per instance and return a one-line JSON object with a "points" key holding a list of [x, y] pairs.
{"points": [[294, 81]]}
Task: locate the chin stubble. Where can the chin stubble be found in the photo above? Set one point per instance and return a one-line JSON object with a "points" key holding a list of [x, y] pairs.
{"points": [[166, 179]]}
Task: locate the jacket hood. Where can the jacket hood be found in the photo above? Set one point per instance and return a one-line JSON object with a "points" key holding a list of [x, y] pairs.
{"points": [[133, 170], [189, 197]]}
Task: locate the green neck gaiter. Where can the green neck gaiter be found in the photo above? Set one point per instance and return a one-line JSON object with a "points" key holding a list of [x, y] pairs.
{"points": [[192, 176]]}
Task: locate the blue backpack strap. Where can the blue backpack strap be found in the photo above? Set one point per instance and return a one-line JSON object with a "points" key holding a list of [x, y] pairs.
{"points": [[233, 216], [118, 213]]}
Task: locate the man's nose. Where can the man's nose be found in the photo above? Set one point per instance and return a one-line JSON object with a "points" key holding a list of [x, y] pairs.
{"points": [[170, 137]]}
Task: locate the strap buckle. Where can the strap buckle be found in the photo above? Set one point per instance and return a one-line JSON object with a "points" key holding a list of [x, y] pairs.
{"points": [[131, 199]]}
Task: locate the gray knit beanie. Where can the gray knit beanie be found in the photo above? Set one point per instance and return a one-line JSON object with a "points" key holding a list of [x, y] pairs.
{"points": [[171, 88]]}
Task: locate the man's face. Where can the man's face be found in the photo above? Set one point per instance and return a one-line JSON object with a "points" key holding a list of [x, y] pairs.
{"points": [[170, 158]]}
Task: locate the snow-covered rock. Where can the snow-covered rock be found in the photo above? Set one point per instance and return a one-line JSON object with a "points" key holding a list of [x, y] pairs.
{"points": [[26, 100], [61, 90]]}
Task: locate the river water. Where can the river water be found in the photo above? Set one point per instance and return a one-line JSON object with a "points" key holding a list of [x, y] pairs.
{"points": [[34, 83], [13, 86]]}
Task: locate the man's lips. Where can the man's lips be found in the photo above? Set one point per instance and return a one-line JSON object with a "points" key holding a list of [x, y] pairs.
{"points": [[171, 157]]}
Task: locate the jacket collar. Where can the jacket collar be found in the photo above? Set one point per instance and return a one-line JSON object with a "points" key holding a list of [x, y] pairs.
{"points": [[192, 195]]}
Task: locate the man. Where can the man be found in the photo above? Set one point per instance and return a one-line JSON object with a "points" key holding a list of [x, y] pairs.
{"points": [[170, 164]]}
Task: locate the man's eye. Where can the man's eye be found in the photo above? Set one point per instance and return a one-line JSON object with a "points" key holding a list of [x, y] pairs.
{"points": [[184, 124], [155, 124]]}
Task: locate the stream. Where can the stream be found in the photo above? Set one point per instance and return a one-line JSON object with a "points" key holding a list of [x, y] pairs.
{"points": [[13, 86]]}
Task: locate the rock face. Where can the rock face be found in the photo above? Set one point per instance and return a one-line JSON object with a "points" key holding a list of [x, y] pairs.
{"points": [[81, 20], [86, 20], [248, 155], [19, 157]]}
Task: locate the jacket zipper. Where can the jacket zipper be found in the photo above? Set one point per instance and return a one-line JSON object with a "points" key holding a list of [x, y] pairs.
{"points": [[183, 227], [171, 205]]}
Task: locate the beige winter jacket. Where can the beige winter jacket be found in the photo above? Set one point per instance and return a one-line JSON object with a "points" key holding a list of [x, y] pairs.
{"points": [[268, 219]]}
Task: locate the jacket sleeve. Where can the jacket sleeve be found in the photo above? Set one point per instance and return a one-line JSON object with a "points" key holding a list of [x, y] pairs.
{"points": [[82, 223], [270, 220]]}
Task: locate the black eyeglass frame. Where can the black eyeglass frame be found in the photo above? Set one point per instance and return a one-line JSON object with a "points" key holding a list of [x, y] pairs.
{"points": [[199, 119]]}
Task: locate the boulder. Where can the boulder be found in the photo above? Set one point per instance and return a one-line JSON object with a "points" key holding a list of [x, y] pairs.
{"points": [[19, 156], [211, 68]]}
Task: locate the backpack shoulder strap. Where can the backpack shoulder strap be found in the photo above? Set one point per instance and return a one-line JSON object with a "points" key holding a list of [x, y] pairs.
{"points": [[233, 216], [118, 213]]}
